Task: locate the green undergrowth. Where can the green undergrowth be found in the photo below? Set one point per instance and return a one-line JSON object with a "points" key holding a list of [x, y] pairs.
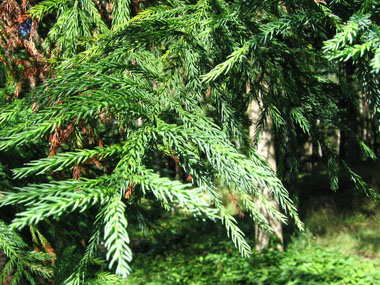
{"points": [[356, 232], [344, 220], [200, 255]]}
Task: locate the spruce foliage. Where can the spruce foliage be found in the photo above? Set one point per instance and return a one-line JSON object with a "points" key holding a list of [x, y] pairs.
{"points": [[141, 84]]}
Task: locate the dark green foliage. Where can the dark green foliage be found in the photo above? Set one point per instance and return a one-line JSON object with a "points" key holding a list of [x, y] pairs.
{"points": [[136, 86]]}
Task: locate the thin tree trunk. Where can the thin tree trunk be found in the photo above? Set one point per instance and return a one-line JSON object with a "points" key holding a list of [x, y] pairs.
{"points": [[265, 148]]}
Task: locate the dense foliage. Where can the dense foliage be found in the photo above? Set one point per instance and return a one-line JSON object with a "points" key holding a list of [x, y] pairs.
{"points": [[120, 107], [214, 261]]}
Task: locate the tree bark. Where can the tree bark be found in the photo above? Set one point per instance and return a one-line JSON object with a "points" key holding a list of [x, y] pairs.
{"points": [[265, 148]]}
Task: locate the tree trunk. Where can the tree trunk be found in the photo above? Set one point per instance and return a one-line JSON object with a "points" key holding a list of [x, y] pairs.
{"points": [[265, 148]]}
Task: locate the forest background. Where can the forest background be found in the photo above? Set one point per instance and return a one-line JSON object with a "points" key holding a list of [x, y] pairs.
{"points": [[146, 127]]}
